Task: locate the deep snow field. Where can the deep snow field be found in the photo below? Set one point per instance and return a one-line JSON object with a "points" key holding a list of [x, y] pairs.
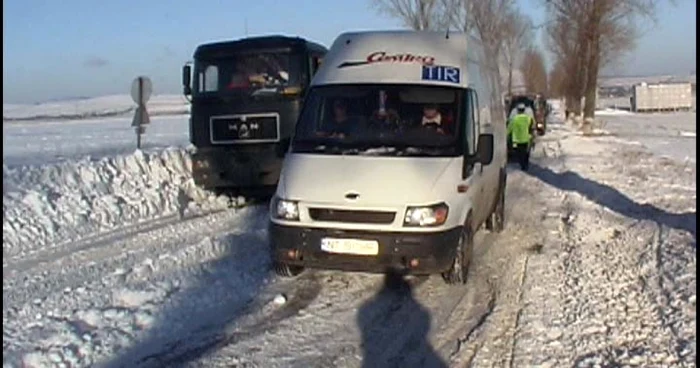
{"points": [[596, 266]]}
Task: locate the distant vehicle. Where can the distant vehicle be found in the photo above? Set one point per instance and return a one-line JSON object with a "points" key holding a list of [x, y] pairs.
{"points": [[540, 111], [246, 98], [537, 103], [398, 158]]}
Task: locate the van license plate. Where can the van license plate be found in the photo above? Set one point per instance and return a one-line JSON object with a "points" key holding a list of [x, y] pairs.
{"points": [[350, 246]]}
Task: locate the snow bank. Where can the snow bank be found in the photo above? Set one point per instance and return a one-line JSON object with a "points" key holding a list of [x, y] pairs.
{"points": [[611, 111], [44, 205], [114, 105]]}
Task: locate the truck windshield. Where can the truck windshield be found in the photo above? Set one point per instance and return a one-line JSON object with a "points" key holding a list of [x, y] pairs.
{"points": [[387, 120], [252, 73]]}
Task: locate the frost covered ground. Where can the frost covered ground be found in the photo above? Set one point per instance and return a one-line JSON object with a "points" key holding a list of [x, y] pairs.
{"points": [[596, 268], [671, 134]]}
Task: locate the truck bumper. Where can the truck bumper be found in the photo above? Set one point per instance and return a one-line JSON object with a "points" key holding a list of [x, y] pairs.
{"points": [[414, 253], [226, 168]]}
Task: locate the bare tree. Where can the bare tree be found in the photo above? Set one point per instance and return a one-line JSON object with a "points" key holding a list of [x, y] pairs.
{"points": [[517, 35], [534, 70], [588, 35], [415, 14], [565, 33], [557, 79]]}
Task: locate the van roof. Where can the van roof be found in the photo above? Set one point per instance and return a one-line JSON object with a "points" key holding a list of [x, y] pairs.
{"points": [[402, 57]]}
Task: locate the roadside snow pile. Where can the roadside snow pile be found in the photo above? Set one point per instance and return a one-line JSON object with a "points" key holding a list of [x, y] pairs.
{"points": [[612, 111], [114, 105], [47, 204]]}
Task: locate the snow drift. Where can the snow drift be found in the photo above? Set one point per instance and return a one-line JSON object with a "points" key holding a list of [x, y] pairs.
{"points": [[49, 204]]}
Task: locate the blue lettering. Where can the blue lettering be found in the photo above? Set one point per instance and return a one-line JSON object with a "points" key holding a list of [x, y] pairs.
{"points": [[440, 73]]}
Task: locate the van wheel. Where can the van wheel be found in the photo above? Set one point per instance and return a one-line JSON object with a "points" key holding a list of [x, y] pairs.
{"points": [[496, 221], [285, 270], [457, 274]]}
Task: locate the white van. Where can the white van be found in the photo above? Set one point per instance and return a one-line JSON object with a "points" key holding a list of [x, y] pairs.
{"points": [[398, 158]]}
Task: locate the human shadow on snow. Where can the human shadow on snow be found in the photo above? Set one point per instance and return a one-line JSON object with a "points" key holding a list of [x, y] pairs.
{"points": [[196, 318], [394, 328], [612, 199]]}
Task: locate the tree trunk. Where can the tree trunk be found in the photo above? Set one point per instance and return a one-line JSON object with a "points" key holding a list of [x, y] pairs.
{"points": [[510, 78], [592, 77]]}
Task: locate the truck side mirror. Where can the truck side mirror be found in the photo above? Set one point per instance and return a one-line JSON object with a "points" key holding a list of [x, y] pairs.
{"points": [[186, 80]]}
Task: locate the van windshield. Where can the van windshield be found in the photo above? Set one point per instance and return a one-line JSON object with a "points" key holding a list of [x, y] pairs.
{"points": [[382, 119]]}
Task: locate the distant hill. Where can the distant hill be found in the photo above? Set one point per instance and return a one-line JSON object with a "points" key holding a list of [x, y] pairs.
{"points": [[613, 81], [84, 108]]}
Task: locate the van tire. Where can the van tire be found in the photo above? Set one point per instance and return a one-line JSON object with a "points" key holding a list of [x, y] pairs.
{"points": [[285, 270], [457, 274], [495, 223]]}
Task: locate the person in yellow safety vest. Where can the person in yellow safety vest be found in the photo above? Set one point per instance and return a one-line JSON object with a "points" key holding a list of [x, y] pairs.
{"points": [[520, 130]]}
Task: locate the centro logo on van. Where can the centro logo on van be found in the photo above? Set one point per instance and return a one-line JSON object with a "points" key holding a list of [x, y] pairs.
{"points": [[383, 57]]}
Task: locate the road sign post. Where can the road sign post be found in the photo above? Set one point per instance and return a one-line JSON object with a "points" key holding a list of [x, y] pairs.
{"points": [[141, 89]]}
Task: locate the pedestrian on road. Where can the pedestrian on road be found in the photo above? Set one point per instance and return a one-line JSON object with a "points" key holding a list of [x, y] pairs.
{"points": [[520, 130]]}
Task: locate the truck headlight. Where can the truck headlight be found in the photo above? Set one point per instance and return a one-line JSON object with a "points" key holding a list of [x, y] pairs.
{"points": [[284, 209], [434, 215], [201, 163]]}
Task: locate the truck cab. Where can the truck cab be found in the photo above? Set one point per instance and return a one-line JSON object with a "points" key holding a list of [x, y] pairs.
{"points": [[398, 157], [245, 99]]}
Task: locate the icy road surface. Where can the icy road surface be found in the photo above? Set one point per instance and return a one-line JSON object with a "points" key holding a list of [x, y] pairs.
{"points": [[595, 268]]}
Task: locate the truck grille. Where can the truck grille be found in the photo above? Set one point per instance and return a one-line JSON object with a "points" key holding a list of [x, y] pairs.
{"points": [[352, 216], [242, 129]]}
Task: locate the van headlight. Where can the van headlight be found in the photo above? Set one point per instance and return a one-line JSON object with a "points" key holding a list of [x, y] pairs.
{"points": [[434, 215], [284, 209]]}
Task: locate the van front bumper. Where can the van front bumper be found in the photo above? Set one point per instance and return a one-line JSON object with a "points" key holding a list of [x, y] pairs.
{"points": [[429, 252]]}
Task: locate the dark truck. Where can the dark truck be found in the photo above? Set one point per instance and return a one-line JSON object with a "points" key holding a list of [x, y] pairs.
{"points": [[245, 99]]}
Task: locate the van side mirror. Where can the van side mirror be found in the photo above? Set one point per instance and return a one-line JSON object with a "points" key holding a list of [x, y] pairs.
{"points": [[186, 80], [484, 149], [483, 155]]}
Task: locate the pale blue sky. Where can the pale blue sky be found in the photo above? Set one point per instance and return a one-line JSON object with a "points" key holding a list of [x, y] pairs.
{"points": [[70, 48]]}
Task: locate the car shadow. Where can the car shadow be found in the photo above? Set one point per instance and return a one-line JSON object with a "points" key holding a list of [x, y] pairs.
{"points": [[393, 324], [612, 199], [195, 319]]}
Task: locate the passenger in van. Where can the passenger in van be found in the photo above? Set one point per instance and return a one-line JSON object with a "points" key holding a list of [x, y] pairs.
{"points": [[341, 124], [433, 119], [385, 119]]}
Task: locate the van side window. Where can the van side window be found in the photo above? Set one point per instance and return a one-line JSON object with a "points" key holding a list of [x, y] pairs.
{"points": [[472, 117]]}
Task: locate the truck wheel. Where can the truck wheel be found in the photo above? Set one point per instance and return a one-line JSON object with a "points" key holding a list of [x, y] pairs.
{"points": [[457, 274], [285, 270], [496, 221]]}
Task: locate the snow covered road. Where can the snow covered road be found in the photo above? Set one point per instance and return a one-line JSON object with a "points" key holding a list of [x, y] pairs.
{"points": [[596, 266]]}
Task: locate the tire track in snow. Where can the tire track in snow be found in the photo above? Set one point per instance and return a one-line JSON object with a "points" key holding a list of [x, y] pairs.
{"points": [[606, 304], [194, 347], [45, 256], [488, 336]]}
